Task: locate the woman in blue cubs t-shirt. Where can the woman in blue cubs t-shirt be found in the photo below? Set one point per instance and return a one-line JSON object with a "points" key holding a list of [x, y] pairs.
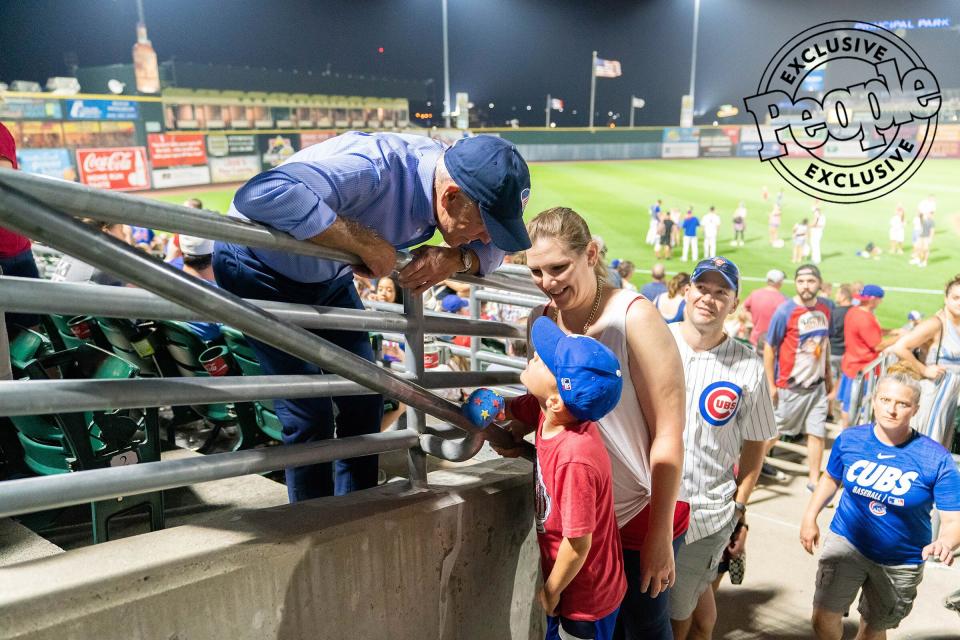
{"points": [[880, 536]]}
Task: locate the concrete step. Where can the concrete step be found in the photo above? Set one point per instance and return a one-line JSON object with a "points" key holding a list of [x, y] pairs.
{"points": [[20, 544], [196, 504]]}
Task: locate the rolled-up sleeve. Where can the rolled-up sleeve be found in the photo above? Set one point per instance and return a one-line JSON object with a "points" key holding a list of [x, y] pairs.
{"points": [[489, 256], [304, 198]]}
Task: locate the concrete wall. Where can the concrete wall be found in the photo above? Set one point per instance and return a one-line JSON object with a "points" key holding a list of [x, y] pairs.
{"points": [[457, 562]]}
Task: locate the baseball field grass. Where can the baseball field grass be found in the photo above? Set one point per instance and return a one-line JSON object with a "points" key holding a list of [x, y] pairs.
{"points": [[615, 197]]}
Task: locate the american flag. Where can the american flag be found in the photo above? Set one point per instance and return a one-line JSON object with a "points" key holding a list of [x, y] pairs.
{"points": [[607, 68]]}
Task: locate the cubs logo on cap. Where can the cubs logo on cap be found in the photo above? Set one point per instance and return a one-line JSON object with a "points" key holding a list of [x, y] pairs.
{"points": [[719, 402]]}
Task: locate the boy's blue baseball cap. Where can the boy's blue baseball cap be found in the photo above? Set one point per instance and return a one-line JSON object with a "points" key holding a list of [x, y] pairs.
{"points": [[492, 173], [720, 265], [588, 373]]}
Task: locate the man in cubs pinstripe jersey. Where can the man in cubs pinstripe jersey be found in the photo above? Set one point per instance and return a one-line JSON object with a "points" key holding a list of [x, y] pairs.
{"points": [[729, 417]]}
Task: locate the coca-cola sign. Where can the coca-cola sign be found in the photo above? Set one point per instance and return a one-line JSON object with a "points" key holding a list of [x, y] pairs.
{"points": [[118, 168]]}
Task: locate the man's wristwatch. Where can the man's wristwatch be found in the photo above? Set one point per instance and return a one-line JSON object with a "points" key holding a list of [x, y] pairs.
{"points": [[740, 508], [466, 259]]}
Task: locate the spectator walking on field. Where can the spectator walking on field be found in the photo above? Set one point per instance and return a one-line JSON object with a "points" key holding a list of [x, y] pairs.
{"points": [[690, 225], [816, 234], [898, 223], [739, 224], [711, 226]]}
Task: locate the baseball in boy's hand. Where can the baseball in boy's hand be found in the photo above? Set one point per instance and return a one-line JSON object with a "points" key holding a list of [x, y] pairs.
{"points": [[483, 406]]}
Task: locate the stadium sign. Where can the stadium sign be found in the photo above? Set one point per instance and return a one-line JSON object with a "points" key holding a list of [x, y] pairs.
{"points": [[890, 111]]}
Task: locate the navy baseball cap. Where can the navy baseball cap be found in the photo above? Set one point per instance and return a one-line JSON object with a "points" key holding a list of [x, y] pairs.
{"points": [[720, 265], [588, 373], [871, 291], [492, 173]]}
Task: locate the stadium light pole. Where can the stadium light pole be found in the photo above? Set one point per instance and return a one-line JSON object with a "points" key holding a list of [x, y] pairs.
{"points": [[593, 84], [693, 54], [446, 69]]}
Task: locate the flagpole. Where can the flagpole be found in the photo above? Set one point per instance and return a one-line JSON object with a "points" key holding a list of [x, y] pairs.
{"points": [[631, 111], [593, 85], [548, 111]]}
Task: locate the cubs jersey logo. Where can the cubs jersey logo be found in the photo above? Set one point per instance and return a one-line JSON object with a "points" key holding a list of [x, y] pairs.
{"points": [[878, 508], [719, 402]]}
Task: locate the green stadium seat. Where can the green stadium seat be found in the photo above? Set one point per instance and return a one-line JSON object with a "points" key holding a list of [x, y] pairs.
{"points": [[246, 360], [186, 349], [61, 443], [131, 342]]}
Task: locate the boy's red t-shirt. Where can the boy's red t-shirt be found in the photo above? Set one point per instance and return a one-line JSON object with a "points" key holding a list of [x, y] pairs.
{"points": [[574, 497]]}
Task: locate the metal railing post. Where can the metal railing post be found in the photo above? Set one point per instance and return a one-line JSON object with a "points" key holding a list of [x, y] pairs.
{"points": [[6, 371], [474, 340], [413, 359]]}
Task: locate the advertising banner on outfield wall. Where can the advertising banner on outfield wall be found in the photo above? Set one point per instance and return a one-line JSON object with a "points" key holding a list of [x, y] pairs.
{"points": [[234, 168], [30, 109], [102, 110], [176, 149], [221, 146], [52, 163], [946, 144], [680, 142], [719, 143], [180, 177], [275, 149], [117, 168]]}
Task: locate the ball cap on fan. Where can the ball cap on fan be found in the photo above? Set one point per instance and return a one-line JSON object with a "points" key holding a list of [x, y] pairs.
{"points": [[588, 374], [492, 173]]}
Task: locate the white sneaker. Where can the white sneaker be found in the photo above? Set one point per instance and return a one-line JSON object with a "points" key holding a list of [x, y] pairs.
{"points": [[914, 261]]}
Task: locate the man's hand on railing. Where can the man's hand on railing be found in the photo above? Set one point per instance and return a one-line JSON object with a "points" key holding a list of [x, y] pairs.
{"points": [[429, 266]]}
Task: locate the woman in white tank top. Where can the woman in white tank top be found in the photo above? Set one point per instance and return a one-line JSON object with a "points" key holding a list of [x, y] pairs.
{"points": [[643, 434], [940, 368]]}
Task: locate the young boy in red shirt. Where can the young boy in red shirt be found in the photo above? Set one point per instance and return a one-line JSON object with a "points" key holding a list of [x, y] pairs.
{"points": [[573, 381]]}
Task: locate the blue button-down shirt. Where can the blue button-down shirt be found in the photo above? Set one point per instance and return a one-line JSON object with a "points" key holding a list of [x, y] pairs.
{"points": [[383, 181]]}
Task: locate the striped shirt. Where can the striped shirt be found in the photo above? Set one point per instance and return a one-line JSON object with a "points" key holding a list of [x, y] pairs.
{"points": [[383, 181], [727, 403]]}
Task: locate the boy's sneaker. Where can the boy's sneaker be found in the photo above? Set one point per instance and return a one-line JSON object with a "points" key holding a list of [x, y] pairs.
{"points": [[771, 472]]}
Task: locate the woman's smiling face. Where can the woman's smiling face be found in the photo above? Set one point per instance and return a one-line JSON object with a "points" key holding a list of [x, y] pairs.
{"points": [[566, 277]]}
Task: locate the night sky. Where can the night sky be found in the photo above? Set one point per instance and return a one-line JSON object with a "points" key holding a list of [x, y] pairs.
{"points": [[509, 52]]}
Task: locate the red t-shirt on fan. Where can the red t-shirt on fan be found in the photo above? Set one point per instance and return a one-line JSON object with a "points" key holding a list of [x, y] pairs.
{"points": [[574, 497], [12, 244]]}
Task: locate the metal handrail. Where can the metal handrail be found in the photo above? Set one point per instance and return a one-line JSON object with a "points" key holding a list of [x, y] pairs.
{"points": [[83, 201], [63, 490], [29, 216], [39, 397], [28, 295]]}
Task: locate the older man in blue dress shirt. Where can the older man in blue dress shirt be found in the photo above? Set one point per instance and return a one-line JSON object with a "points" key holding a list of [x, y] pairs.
{"points": [[369, 194]]}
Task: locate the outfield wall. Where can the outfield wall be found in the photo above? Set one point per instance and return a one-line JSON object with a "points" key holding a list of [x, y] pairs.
{"points": [[136, 143], [457, 562]]}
